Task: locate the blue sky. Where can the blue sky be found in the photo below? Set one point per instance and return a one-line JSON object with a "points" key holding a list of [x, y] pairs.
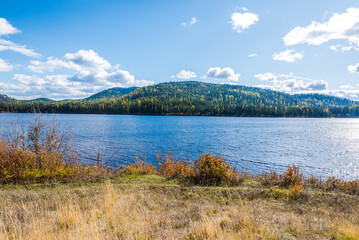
{"points": [[72, 49]]}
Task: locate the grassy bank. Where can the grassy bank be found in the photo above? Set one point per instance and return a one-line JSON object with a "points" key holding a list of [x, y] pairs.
{"points": [[154, 207]]}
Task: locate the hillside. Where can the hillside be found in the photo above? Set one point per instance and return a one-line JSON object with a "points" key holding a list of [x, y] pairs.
{"points": [[111, 93], [224, 94], [5, 98], [199, 99]]}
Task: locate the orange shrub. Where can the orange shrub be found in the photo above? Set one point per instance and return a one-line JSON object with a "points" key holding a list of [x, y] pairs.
{"points": [[40, 153], [294, 179], [212, 170], [139, 167], [169, 167]]}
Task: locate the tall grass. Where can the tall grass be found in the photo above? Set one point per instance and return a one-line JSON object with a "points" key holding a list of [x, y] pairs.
{"points": [[156, 210]]}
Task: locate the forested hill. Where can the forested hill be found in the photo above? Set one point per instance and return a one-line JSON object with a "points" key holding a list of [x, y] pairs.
{"points": [[111, 93], [5, 98], [196, 98], [224, 94]]}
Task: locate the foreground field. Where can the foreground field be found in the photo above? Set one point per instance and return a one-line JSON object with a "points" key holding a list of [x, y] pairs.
{"points": [[153, 207]]}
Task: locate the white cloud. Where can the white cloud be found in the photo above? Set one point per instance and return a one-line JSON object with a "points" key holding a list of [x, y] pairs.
{"points": [[226, 74], [253, 55], [339, 47], [291, 83], [345, 93], [91, 73], [339, 26], [4, 66], [50, 65], [189, 23], [6, 28], [287, 56], [79, 61], [266, 76], [335, 47], [89, 67], [88, 60], [186, 74], [28, 80], [245, 9], [241, 21], [67, 86], [353, 68], [346, 86], [8, 45]]}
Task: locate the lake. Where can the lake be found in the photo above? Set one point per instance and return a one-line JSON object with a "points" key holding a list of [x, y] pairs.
{"points": [[324, 147]]}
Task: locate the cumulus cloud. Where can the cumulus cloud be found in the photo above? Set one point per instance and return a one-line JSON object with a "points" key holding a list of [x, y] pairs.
{"points": [[266, 76], [88, 60], [353, 68], [4, 66], [91, 73], [186, 74], [59, 86], [241, 21], [89, 67], [226, 74], [190, 22], [339, 26], [79, 61], [287, 56], [291, 83], [6, 28]]}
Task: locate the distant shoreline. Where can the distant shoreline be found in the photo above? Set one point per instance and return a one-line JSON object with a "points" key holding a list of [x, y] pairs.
{"points": [[186, 115]]}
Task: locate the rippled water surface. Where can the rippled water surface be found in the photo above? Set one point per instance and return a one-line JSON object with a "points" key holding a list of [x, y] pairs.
{"points": [[319, 146]]}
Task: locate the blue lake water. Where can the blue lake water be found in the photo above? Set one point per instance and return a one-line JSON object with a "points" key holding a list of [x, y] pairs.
{"points": [[324, 147]]}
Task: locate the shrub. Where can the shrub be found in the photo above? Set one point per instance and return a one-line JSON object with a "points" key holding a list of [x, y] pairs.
{"points": [[351, 187], [41, 152], [169, 167], [139, 167], [294, 179], [270, 178], [212, 170]]}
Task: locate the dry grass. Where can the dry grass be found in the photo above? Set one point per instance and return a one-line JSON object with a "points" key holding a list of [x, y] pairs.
{"points": [[151, 207]]}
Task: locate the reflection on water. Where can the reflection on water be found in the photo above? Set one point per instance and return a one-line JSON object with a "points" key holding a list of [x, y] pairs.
{"points": [[319, 146]]}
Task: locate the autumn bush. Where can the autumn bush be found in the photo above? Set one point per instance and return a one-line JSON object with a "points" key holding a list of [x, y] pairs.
{"points": [[170, 167], [41, 151], [293, 179], [213, 170], [139, 167], [333, 183]]}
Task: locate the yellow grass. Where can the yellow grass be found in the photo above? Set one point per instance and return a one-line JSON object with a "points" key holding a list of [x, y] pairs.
{"points": [[151, 207]]}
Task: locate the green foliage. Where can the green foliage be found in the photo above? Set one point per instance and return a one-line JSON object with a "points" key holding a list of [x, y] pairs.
{"points": [[5, 98], [112, 93]]}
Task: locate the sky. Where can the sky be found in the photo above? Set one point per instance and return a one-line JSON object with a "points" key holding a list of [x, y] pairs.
{"points": [[74, 48]]}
